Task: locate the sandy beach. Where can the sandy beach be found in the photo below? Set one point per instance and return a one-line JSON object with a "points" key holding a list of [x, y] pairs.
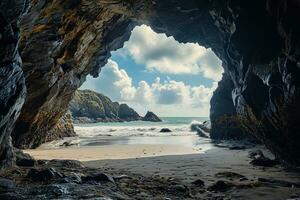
{"points": [[112, 152], [185, 164]]}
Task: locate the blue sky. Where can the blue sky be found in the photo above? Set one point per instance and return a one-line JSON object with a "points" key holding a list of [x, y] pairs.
{"points": [[139, 72], [155, 72]]}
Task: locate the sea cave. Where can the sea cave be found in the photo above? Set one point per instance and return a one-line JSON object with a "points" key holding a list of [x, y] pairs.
{"points": [[49, 48]]}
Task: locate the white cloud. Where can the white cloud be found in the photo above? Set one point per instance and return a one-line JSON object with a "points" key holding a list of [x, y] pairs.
{"points": [[201, 95], [113, 82], [171, 92], [143, 93], [165, 55], [165, 98]]}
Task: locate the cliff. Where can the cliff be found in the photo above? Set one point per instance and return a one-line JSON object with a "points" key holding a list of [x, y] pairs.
{"points": [[61, 42], [88, 106]]}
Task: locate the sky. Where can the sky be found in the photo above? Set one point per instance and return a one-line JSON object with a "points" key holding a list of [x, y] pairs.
{"points": [[153, 72]]}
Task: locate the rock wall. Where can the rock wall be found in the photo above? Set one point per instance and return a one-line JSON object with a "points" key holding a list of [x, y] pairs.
{"points": [[225, 123], [62, 42], [12, 82], [258, 42]]}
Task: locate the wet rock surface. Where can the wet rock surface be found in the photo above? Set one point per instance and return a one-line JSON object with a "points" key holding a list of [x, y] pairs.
{"points": [[6, 183], [259, 159], [54, 180], [202, 129], [165, 130], [68, 179]]}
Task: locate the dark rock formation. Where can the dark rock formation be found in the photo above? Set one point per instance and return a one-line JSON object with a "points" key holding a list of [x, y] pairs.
{"points": [[128, 114], [199, 129], [6, 183], [165, 130], [225, 123], [64, 128], [259, 159], [23, 159], [12, 82], [88, 106], [63, 41], [198, 183], [93, 106], [220, 186], [150, 116], [98, 177]]}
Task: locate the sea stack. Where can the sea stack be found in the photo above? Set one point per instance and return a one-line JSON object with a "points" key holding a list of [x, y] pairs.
{"points": [[151, 117]]}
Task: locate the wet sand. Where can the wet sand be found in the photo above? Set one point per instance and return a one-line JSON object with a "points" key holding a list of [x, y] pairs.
{"points": [[206, 166], [185, 164], [112, 152]]}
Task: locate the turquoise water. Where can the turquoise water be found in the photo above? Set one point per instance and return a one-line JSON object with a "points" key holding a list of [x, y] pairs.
{"points": [[138, 132], [178, 126], [165, 121]]}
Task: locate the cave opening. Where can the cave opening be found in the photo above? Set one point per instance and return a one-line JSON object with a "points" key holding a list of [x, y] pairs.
{"points": [[49, 48], [79, 42], [152, 78]]}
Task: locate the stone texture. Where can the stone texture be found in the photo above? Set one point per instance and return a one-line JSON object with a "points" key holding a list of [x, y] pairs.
{"points": [[64, 128], [225, 123], [62, 42], [12, 82]]}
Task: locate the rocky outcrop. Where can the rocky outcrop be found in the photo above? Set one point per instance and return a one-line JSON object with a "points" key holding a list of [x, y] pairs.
{"points": [[128, 114], [225, 123], [150, 116], [89, 107], [63, 41], [12, 82], [262, 60], [64, 128], [202, 129]]}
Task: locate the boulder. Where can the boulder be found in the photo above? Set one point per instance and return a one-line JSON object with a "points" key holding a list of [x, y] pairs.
{"points": [[220, 186], [259, 159], [201, 129], [43, 174], [6, 183], [165, 130], [263, 161], [99, 177], [198, 183], [24, 159]]}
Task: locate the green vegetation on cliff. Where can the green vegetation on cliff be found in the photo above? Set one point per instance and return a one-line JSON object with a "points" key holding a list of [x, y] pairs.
{"points": [[88, 106]]}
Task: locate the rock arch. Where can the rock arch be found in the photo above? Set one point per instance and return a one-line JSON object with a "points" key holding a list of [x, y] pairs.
{"points": [[258, 42]]}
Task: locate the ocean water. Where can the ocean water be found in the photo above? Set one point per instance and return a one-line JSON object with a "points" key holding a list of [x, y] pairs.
{"points": [[178, 126], [136, 132]]}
